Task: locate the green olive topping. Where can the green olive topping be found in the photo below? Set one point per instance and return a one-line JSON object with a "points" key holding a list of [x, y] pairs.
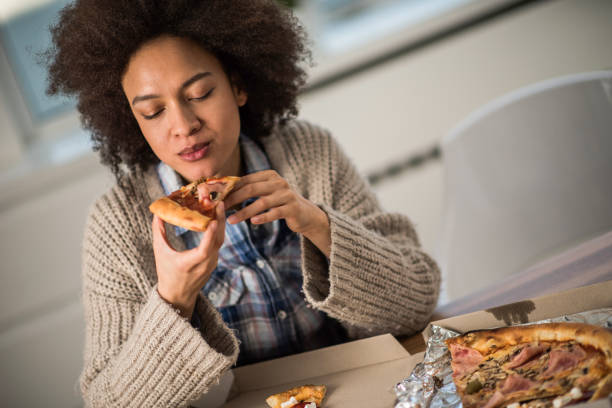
{"points": [[473, 386]]}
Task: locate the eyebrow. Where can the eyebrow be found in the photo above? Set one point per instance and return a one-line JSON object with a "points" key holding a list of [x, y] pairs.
{"points": [[188, 82]]}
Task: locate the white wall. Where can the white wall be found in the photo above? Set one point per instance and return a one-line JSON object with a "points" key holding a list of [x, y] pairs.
{"points": [[381, 115], [409, 103], [41, 323]]}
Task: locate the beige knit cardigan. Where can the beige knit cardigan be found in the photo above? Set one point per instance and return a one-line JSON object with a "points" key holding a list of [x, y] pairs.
{"points": [[139, 352]]}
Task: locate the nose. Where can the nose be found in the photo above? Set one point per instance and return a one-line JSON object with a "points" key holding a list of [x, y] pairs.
{"points": [[184, 121]]}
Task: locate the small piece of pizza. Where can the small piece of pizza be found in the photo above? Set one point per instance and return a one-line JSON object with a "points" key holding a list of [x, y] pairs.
{"points": [[299, 397], [540, 365], [193, 206]]}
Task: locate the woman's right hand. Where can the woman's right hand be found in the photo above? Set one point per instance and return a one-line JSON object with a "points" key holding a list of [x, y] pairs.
{"points": [[181, 275]]}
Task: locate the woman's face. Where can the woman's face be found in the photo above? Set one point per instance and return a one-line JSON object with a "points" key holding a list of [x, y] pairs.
{"points": [[186, 107]]}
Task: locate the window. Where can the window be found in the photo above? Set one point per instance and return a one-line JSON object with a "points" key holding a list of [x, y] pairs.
{"points": [[23, 37], [42, 130], [349, 35], [342, 25]]}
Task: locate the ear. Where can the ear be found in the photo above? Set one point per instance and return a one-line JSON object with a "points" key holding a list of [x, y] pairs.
{"points": [[240, 94]]}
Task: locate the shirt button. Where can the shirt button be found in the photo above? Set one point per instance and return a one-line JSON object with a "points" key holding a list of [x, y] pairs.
{"points": [[260, 263], [282, 314], [212, 296]]}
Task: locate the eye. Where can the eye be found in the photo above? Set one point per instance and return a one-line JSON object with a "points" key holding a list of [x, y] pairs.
{"points": [[201, 98], [149, 117]]}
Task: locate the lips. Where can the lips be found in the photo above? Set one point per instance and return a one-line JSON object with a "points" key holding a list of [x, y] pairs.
{"points": [[195, 152]]}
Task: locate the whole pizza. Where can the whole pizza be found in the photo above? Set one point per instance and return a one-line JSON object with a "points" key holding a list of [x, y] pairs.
{"points": [[541, 365]]}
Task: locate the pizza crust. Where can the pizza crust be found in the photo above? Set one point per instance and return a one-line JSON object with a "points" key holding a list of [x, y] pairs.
{"points": [[173, 213], [487, 340], [604, 388], [304, 393]]}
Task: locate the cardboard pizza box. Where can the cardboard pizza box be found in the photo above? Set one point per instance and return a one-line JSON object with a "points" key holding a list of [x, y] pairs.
{"points": [[363, 373], [360, 373], [596, 296]]}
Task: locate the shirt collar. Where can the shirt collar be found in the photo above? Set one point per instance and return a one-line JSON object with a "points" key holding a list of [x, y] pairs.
{"points": [[253, 157]]}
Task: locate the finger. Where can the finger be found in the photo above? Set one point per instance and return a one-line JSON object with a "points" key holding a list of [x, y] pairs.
{"points": [[258, 177], [220, 216], [205, 248], [257, 207], [247, 191], [160, 240], [253, 190], [269, 216], [243, 181]]}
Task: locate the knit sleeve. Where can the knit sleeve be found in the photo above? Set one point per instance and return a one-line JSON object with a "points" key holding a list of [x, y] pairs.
{"points": [[138, 350], [377, 280]]}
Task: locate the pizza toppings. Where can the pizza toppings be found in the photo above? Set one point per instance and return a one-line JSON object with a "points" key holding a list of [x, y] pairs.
{"points": [[289, 403], [192, 202], [473, 386], [543, 366], [305, 405], [574, 395], [525, 355], [496, 399], [563, 359], [515, 382], [210, 191], [464, 359], [293, 403]]}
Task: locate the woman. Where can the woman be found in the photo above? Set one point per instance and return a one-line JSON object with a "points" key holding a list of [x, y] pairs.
{"points": [[177, 90]]}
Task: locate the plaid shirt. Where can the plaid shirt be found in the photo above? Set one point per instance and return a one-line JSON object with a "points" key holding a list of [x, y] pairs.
{"points": [[257, 285]]}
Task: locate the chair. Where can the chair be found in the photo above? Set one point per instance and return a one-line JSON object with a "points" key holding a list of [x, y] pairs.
{"points": [[526, 176]]}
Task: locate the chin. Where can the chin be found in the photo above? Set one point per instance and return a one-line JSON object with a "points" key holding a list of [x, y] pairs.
{"points": [[197, 173]]}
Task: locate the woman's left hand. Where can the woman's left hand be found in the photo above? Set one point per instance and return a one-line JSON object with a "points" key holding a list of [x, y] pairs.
{"points": [[277, 200]]}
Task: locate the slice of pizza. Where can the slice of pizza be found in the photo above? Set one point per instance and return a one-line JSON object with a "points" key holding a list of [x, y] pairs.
{"points": [[193, 206], [541, 365], [305, 396]]}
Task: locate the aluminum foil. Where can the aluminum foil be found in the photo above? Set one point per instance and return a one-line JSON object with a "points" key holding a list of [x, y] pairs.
{"points": [[430, 385]]}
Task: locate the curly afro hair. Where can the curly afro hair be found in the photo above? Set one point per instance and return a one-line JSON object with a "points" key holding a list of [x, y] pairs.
{"points": [[256, 41]]}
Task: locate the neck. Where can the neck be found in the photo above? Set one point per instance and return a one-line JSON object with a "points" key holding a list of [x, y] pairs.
{"points": [[236, 165]]}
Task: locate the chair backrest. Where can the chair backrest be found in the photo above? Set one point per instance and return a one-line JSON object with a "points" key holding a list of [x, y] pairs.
{"points": [[526, 176]]}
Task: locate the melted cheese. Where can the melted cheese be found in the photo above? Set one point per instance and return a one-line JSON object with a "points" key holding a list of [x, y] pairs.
{"points": [[289, 403]]}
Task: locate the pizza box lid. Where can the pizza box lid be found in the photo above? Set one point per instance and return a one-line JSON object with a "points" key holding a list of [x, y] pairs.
{"points": [[359, 373]]}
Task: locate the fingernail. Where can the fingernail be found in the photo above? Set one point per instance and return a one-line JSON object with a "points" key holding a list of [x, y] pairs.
{"points": [[231, 219]]}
